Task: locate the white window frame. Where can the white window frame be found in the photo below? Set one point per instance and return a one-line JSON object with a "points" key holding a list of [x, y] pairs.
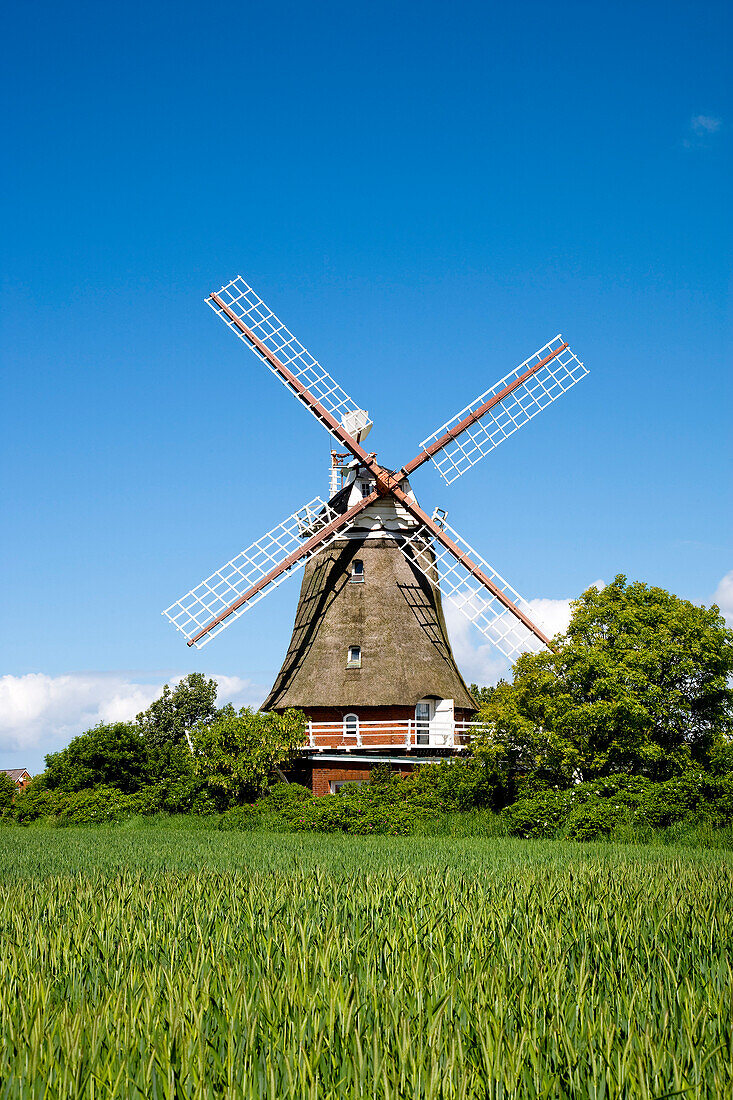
{"points": [[336, 784], [356, 577], [423, 725], [353, 661], [352, 720]]}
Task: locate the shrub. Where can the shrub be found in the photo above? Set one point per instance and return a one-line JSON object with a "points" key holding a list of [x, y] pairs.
{"points": [[8, 791], [113, 756], [32, 803], [541, 816], [587, 809], [103, 804], [285, 798], [458, 784], [375, 808], [238, 818], [598, 819]]}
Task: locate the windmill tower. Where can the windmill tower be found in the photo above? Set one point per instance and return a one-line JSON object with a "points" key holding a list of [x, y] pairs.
{"points": [[370, 661]]}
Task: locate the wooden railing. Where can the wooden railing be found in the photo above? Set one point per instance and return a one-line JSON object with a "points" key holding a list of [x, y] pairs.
{"points": [[398, 733]]}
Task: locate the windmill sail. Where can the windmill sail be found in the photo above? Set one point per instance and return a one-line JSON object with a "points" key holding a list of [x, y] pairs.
{"points": [[477, 603], [244, 312], [514, 400], [223, 597]]}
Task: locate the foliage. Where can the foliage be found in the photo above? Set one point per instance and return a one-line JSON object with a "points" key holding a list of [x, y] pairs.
{"points": [[237, 818], [362, 811], [172, 783], [33, 802], [177, 711], [168, 961], [284, 797], [605, 807], [107, 755], [638, 684], [98, 806], [236, 755], [8, 791]]}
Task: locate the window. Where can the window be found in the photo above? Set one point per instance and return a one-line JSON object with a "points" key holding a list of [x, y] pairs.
{"points": [[353, 659], [337, 784], [357, 571], [351, 725], [423, 714], [365, 487]]}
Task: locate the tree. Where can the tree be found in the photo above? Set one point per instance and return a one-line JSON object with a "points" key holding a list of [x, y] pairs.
{"points": [[638, 684], [113, 756], [238, 754], [176, 712], [7, 791]]}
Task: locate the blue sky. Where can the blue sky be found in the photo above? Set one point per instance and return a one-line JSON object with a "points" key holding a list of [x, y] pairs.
{"points": [[425, 195]]}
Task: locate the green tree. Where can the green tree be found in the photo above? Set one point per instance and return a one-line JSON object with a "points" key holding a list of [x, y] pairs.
{"points": [[7, 791], [112, 756], [177, 711], [238, 754], [638, 684]]}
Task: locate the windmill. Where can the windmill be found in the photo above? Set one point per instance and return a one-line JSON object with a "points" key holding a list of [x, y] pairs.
{"points": [[372, 511]]}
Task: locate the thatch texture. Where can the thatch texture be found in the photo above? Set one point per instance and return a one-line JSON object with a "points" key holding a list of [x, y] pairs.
{"points": [[395, 616]]}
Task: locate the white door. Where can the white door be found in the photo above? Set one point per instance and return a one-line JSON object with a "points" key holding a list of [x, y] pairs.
{"points": [[441, 726]]}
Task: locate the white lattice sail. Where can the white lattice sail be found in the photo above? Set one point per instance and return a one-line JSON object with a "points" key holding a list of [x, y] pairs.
{"points": [[531, 397], [476, 602], [209, 599], [245, 304]]}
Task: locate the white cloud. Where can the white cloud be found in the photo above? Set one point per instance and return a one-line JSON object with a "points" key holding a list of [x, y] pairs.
{"points": [[480, 662], [705, 124], [723, 597], [40, 713], [478, 659]]}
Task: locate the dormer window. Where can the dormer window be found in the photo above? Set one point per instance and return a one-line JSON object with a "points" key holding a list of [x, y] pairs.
{"points": [[353, 659], [365, 488], [357, 571]]}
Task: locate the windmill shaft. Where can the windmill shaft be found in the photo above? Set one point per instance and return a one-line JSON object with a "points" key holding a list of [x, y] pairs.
{"points": [[470, 566], [452, 433], [306, 548]]}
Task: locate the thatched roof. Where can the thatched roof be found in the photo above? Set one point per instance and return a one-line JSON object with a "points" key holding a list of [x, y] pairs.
{"points": [[396, 617]]}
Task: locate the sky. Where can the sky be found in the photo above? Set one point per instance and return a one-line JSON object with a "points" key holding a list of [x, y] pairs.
{"points": [[425, 195]]}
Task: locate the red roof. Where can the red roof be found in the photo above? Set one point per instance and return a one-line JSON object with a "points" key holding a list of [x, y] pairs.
{"points": [[16, 773]]}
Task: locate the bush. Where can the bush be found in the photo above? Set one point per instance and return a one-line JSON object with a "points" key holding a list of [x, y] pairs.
{"points": [[383, 807], [8, 791], [693, 797], [32, 803], [458, 784], [112, 756], [101, 805], [597, 819], [284, 798], [238, 818], [542, 816], [588, 811]]}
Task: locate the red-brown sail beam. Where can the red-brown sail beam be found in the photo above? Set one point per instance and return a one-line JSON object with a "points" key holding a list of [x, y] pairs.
{"points": [[306, 548], [304, 394], [469, 565], [472, 417]]}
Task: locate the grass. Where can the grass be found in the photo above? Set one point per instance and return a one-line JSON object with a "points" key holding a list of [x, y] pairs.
{"points": [[175, 960]]}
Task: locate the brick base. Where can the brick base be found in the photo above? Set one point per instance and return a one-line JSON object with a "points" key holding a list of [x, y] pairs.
{"points": [[324, 774]]}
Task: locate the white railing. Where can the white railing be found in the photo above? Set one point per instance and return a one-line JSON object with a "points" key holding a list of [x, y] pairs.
{"points": [[404, 733]]}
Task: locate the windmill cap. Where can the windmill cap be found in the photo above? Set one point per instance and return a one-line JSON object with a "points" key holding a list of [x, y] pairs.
{"points": [[357, 424]]}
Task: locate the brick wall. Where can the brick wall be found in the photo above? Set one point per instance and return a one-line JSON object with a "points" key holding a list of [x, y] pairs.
{"points": [[325, 774]]}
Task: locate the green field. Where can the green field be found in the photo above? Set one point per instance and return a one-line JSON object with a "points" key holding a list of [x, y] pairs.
{"points": [[147, 960]]}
